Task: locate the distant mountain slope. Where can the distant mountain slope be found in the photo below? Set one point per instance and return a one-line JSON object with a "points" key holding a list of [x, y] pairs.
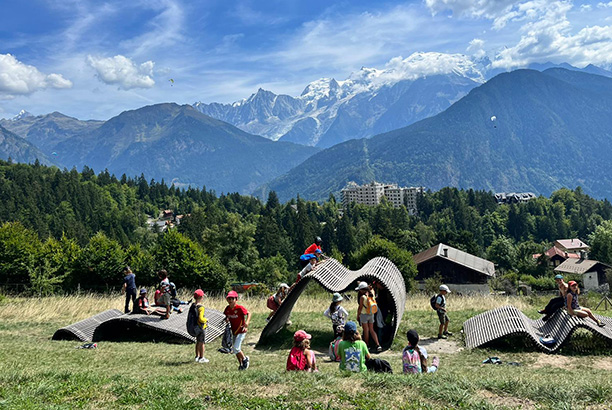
{"points": [[46, 131], [552, 129], [19, 150], [182, 145]]}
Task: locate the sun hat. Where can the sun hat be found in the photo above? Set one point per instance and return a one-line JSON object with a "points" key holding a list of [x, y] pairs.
{"points": [[362, 285], [350, 327], [301, 335], [444, 287], [232, 294], [558, 276], [143, 291], [198, 293], [337, 297], [284, 285]]}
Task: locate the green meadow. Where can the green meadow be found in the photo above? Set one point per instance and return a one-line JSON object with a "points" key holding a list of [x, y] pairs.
{"points": [[36, 372]]}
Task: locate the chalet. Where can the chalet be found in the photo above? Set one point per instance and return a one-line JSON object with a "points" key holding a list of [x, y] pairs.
{"points": [[556, 256], [462, 271], [166, 214], [593, 272], [571, 245]]}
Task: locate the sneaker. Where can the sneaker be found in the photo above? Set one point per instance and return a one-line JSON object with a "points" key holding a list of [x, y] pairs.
{"points": [[448, 333], [542, 311], [197, 359], [600, 323], [203, 360], [245, 363], [442, 337], [378, 349], [435, 362]]}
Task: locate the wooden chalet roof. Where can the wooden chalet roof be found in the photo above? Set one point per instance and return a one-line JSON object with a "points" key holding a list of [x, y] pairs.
{"points": [[579, 266], [571, 244], [457, 256]]}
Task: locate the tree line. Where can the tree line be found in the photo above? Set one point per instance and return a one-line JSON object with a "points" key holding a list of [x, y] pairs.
{"points": [[64, 229]]}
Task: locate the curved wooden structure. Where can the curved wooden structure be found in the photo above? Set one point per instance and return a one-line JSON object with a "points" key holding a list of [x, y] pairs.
{"points": [[508, 320], [114, 325], [334, 277]]}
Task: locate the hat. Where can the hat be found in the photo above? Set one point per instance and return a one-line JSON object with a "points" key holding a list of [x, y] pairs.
{"points": [[198, 293], [301, 335], [318, 251], [143, 291], [284, 285], [445, 288], [558, 276], [362, 285], [337, 297], [232, 294], [350, 327], [572, 283]]}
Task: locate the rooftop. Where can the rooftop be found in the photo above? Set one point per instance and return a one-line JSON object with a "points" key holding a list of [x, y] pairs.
{"points": [[460, 257]]}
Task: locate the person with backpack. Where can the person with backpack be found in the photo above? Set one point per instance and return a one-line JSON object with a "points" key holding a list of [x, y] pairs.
{"points": [[239, 318], [334, 345], [164, 291], [336, 312], [197, 324], [352, 350], [438, 303], [366, 313], [414, 357], [300, 356], [275, 300]]}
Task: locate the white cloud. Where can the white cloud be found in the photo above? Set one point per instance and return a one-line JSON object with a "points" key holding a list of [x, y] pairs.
{"points": [[17, 78], [124, 72], [586, 7], [490, 9], [476, 48], [604, 5]]}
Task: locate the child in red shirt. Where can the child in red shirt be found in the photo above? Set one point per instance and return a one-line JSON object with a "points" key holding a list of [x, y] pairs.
{"points": [[239, 318]]}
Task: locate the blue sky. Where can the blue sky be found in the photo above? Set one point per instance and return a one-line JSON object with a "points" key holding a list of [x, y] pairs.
{"points": [[95, 59]]}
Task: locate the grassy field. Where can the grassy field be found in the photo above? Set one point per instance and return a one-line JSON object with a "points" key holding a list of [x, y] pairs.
{"points": [[36, 372]]}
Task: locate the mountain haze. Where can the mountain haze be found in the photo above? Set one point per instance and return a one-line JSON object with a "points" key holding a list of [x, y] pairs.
{"points": [[181, 145], [19, 150], [552, 129]]}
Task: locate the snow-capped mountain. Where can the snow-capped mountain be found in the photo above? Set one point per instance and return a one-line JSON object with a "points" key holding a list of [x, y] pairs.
{"points": [[369, 102], [22, 114]]}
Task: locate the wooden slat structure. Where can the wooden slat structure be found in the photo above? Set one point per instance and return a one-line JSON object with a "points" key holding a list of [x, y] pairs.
{"points": [[509, 321], [335, 277], [114, 325]]}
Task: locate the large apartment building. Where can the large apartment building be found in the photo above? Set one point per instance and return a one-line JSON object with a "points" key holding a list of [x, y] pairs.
{"points": [[372, 193]]}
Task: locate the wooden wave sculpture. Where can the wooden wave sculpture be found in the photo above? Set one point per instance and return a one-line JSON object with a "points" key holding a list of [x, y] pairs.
{"points": [[508, 321], [335, 277]]}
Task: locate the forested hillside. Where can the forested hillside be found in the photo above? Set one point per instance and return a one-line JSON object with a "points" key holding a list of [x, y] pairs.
{"points": [[63, 230]]}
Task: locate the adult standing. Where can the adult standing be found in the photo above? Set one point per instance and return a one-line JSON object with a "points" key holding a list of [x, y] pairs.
{"points": [[129, 288]]}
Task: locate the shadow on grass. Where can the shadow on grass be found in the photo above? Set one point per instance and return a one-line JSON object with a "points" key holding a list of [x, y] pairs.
{"points": [[581, 343], [283, 340]]}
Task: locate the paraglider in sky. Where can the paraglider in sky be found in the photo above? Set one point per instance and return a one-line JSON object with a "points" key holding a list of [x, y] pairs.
{"points": [[171, 82], [493, 119]]}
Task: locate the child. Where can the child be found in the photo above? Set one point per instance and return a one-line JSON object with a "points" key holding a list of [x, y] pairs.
{"points": [[275, 300], [440, 307], [352, 350], [142, 305], [366, 312], [239, 319], [572, 304], [334, 345], [164, 289], [300, 356], [196, 324], [336, 313], [310, 266], [129, 288], [414, 358]]}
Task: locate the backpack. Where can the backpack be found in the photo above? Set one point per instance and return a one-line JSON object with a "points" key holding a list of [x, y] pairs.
{"points": [[334, 355], [378, 366], [411, 360], [173, 290], [192, 320], [296, 359], [227, 340], [432, 301]]}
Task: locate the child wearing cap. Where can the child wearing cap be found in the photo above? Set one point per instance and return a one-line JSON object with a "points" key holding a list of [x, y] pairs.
{"points": [[142, 304], [275, 300], [300, 356], [239, 319], [440, 307], [336, 312], [367, 312], [352, 350], [555, 303], [574, 309], [196, 317]]}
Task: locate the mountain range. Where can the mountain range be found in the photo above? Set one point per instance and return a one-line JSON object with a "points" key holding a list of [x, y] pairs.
{"points": [[521, 131], [19, 150]]}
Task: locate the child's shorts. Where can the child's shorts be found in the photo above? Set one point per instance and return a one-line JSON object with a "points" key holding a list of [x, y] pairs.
{"points": [[443, 317], [200, 334], [365, 318], [238, 343]]}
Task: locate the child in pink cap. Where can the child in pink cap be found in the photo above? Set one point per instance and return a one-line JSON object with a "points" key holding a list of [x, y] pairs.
{"points": [[239, 318], [300, 356]]}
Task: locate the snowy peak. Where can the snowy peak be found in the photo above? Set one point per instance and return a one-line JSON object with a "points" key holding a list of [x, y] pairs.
{"points": [[22, 114]]}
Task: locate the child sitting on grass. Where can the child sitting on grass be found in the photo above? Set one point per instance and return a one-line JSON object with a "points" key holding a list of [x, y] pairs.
{"points": [[300, 356], [196, 325], [239, 319], [414, 358], [352, 350]]}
